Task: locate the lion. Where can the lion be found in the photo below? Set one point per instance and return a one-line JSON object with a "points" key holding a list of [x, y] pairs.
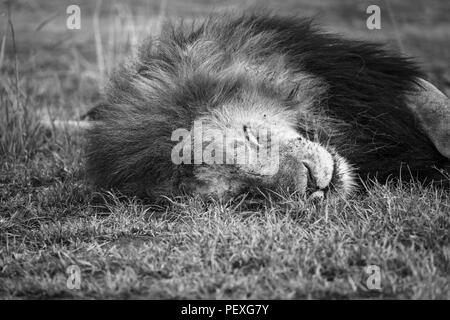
{"points": [[318, 112]]}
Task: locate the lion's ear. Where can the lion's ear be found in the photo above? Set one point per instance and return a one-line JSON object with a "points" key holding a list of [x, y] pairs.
{"points": [[432, 109]]}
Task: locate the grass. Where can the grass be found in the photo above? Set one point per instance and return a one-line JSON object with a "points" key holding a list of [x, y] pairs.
{"points": [[51, 219]]}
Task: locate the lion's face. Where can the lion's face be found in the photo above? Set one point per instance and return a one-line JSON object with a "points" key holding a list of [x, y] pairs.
{"points": [[258, 147]]}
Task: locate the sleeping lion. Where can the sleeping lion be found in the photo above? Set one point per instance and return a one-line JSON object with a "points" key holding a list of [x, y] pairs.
{"points": [[255, 101]]}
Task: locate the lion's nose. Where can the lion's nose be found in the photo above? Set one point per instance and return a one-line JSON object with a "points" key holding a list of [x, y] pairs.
{"points": [[316, 186]]}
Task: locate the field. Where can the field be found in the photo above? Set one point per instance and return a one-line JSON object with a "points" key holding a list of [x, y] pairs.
{"points": [[52, 220]]}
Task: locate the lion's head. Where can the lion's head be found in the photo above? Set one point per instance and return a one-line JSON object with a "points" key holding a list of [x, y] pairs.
{"points": [[249, 139]]}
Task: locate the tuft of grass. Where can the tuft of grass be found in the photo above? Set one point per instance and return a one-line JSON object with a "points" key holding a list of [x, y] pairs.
{"points": [[276, 248]]}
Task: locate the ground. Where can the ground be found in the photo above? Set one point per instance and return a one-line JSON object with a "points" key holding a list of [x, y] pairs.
{"points": [[52, 221]]}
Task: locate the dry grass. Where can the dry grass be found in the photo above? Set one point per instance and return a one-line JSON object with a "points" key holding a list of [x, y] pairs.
{"points": [[50, 219]]}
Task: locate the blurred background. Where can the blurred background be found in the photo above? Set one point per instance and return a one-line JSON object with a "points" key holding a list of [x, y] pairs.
{"points": [[64, 70]]}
